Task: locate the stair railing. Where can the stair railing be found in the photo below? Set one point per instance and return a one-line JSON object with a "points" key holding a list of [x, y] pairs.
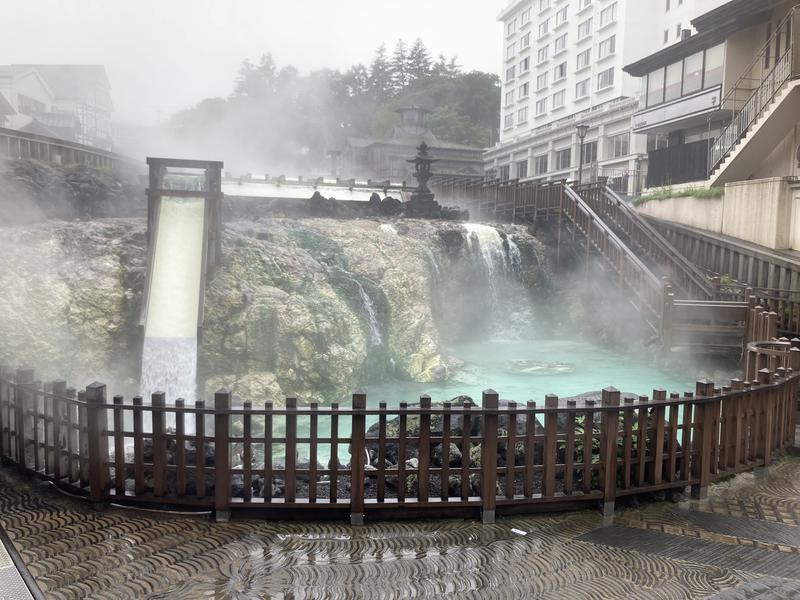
{"points": [[761, 86]]}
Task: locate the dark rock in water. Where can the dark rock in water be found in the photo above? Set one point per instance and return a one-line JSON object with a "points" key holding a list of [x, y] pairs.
{"points": [[454, 459]]}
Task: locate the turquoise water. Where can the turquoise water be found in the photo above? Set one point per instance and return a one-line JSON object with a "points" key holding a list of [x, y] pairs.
{"points": [[527, 370], [518, 371]]}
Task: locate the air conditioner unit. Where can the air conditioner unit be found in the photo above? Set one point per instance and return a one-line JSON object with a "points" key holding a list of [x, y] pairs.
{"points": [[686, 34]]}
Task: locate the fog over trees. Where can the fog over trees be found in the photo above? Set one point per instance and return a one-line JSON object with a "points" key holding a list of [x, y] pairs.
{"points": [[278, 116]]}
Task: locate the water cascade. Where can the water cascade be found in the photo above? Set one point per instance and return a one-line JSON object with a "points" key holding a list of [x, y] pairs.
{"points": [[498, 260], [375, 337], [169, 353]]}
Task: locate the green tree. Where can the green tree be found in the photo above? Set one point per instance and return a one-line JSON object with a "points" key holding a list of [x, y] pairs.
{"points": [[380, 76], [419, 61], [399, 67]]}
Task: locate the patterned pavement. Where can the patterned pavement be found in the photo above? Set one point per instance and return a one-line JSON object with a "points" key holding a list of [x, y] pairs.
{"points": [[741, 543]]}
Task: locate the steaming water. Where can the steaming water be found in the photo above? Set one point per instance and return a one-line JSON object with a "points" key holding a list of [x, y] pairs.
{"points": [[388, 228], [169, 354]]}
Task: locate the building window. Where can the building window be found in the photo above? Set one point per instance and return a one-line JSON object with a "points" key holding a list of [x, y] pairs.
{"points": [[560, 72], [584, 29], [560, 44], [655, 87], [509, 121], [607, 47], [558, 99], [510, 52], [544, 28], [589, 152], [510, 73], [584, 58], [511, 28], [605, 79], [525, 18], [678, 31], [715, 60], [561, 16], [667, 4], [525, 65], [541, 81], [582, 89], [540, 164], [657, 141], [666, 36], [509, 98], [583, 4], [541, 107], [693, 73], [672, 86], [522, 169], [544, 5], [522, 115], [563, 159], [619, 145], [505, 172], [524, 90], [608, 15], [525, 41], [541, 55]]}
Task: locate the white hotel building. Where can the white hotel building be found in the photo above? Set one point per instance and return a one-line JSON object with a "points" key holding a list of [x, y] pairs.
{"points": [[562, 65]]}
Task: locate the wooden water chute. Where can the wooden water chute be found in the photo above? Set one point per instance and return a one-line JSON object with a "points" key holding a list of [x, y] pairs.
{"points": [[181, 178]]}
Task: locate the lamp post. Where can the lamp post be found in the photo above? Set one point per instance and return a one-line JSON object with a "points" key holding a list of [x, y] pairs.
{"points": [[582, 129]]}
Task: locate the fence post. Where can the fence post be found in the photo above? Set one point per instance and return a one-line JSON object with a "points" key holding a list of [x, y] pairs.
{"points": [[22, 398], [357, 449], [222, 461], [609, 432], [549, 454], [157, 403], [489, 457], [704, 389], [97, 443], [424, 448], [765, 379]]}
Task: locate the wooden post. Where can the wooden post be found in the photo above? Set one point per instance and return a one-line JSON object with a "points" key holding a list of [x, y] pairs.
{"points": [[769, 398], [222, 461], [609, 432], [157, 404], [290, 458], [549, 455], [704, 389], [424, 448], [488, 457], [358, 450], [97, 443], [61, 463], [22, 400]]}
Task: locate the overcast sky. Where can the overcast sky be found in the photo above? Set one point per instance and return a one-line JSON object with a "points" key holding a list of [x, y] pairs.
{"points": [[163, 55]]}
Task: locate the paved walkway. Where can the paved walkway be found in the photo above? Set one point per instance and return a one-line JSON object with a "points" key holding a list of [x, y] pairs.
{"points": [[742, 543], [12, 586]]}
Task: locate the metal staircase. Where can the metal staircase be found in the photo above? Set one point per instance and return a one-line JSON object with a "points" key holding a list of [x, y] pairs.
{"points": [[756, 92]]}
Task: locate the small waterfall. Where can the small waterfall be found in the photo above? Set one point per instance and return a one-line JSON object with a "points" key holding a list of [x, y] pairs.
{"points": [[434, 265], [498, 259], [514, 255], [375, 337], [387, 228]]}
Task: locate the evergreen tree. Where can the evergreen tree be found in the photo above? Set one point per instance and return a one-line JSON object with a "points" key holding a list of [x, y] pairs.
{"points": [[419, 61], [380, 76], [399, 66]]}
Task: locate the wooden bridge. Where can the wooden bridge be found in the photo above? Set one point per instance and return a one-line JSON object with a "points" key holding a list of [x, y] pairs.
{"points": [[673, 296]]}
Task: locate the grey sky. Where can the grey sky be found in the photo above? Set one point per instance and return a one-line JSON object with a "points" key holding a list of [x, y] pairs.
{"points": [[163, 55]]}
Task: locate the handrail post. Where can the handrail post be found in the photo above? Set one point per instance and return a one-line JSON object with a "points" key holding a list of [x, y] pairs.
{"points": [[549, 453], [609, 433], [358, 450], [765, 378], [97, 443], [704, 389], [222, 461], [24, 382], [158, 419], [489, 457]]}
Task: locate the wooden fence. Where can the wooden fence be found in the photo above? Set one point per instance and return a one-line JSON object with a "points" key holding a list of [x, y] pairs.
{"points": [[420, 460]]}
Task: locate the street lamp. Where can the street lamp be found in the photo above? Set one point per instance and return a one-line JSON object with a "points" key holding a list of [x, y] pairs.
{"points": [[582, 129]]}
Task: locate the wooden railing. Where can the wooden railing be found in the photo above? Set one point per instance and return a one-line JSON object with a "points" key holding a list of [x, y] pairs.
{"points": [[646, 241], [421, 460], [772, 355]]}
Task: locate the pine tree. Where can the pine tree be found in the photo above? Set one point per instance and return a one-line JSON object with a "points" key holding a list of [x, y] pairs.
{"points": [[380, 76], [400, 75], [419, 61]]}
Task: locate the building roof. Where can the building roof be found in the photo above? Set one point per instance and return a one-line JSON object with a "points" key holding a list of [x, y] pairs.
{"points": [[75, 82], [38, 128], [5, 106], [712, 27]]}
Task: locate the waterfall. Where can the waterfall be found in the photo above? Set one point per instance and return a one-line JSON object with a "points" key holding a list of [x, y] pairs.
{"points": [[375, 337], [498, 259], [169, 352], [435, 271]]}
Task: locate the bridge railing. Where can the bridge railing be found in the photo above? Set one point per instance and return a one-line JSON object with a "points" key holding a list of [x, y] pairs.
{"points": [[311, 461]]}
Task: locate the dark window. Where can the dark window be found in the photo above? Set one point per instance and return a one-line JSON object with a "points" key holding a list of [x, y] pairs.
{"points": [[522, 169], [505, 172], [589, 152]]}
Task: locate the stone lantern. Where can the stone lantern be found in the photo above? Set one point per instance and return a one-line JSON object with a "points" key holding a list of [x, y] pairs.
{"points": [[422, 173]]}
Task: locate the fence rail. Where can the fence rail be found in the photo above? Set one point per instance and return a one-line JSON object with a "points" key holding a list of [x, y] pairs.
{"points": [[332, 461]]}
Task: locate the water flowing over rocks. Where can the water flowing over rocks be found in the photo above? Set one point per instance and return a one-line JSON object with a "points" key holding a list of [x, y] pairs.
{"points": [[306, 307]]}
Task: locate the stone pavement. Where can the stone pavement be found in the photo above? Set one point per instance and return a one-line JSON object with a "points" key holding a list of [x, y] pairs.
{"points": [[12, 586], [743, 542]]}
